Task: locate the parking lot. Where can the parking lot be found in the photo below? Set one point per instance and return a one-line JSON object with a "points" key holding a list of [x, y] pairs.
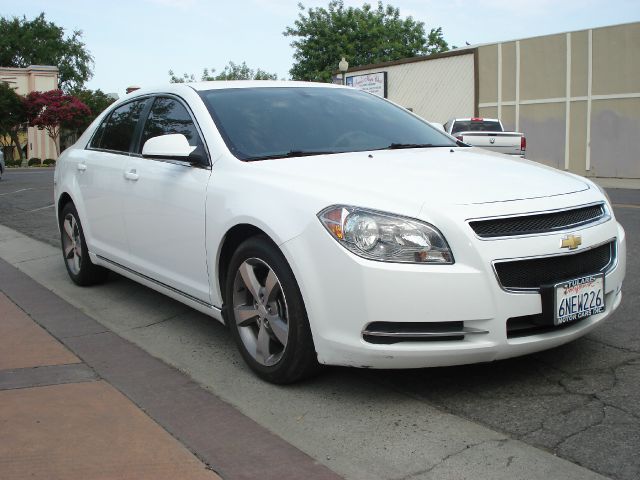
{"points": [[580, 401]]}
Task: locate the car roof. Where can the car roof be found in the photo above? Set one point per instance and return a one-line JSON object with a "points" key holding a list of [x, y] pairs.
{"points": [[221, 84], [227, 84]]}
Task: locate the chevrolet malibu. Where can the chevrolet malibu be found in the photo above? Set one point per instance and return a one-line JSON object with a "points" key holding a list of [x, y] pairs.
{"points": [[325, 225]]}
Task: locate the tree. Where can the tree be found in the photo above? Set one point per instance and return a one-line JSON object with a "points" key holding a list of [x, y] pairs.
{"points": [[235, 71], [26, 42], [49, 110], [96, 100], [436, 42], [322, 36], [232, 71], [13, 116]]}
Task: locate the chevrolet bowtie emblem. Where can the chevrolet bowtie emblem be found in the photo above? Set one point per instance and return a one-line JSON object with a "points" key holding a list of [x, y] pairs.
{"points": [[571, 242]]}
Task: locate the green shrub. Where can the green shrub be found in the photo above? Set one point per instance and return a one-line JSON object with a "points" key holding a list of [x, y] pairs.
{"points": [[12, 163], [49, 162], [34, 161]]}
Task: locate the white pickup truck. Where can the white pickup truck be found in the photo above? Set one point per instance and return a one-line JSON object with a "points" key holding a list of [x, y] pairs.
{"points": [[487, 133]]}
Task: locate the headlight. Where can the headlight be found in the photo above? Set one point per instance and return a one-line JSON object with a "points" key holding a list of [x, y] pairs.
{"points": [[385, 237]]}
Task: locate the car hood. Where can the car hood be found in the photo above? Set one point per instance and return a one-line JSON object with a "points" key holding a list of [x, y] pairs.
{"points": [[459, 175]]}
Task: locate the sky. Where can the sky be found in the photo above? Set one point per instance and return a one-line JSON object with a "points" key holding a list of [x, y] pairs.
{"points": [[136, 42]]}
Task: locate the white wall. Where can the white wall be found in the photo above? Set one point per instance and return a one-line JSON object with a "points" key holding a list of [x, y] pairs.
{"points": [[437, 89]]}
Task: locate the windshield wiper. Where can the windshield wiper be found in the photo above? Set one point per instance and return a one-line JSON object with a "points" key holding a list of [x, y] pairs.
{"points": [[290, 154], [398, 146]]}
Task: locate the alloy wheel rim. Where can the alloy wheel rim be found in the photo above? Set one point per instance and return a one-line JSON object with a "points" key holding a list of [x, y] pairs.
{"points": [[72, 243], [260, 311]]}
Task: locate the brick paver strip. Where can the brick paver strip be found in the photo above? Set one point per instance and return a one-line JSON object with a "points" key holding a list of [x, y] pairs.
{"points": [[49, 375], [233, 444], [87, 431], [25, 344]]}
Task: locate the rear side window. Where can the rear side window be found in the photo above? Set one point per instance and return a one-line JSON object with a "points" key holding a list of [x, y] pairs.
{"points": [[169, 116], [476, 126], [117, 132]]}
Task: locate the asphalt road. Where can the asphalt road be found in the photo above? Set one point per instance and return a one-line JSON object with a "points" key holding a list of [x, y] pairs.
{"points": [[580, 401]]}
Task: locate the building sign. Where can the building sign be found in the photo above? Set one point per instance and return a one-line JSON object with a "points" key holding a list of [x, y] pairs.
{"points": [[375, 83]]}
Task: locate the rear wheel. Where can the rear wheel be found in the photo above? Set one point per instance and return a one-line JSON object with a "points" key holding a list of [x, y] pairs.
{"points": [[74, 250], [266, 314]]}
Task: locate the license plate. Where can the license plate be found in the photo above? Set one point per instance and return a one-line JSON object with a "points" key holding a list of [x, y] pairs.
{"points": [[579, 298]]}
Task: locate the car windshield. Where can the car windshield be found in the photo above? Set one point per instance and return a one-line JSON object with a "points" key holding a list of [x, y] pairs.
{"points": [[476, 126], [277, 122]]}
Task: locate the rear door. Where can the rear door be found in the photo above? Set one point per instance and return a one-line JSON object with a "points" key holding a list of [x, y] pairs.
{"points": [[99, 172], [165, 208]]}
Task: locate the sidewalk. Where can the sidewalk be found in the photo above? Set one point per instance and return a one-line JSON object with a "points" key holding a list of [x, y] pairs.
{"points": [[79, 402], [60, 420]]}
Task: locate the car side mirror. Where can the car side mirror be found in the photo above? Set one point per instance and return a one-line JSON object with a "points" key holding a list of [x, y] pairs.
{"points": [[174, 146]]}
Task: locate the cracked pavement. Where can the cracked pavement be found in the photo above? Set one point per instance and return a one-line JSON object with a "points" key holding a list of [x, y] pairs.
{"points": [[580, 402]]}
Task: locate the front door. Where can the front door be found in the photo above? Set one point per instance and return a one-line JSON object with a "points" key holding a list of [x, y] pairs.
{"points": [[165, 211]]}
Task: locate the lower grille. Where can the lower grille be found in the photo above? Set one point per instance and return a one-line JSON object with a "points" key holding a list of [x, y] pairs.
{"points": [[533, 325], [534, 273], [388, 333]]}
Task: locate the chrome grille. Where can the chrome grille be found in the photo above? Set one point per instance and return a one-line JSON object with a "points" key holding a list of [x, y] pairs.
{"points": [[395, 332], [538, 223]]}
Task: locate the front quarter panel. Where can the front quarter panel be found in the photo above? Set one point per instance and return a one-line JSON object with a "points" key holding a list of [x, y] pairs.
{"points": [[281, 204]]}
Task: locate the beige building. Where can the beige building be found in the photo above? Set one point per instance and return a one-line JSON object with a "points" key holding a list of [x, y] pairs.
{"points": [[31, 79], [575, 95]]}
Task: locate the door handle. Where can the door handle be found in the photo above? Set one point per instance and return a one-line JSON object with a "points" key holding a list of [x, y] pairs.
{"points": [[81, 167], [132, 175]]}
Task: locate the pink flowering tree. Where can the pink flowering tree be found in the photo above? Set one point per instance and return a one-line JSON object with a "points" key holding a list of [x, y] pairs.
{"points": [[50, 110]]}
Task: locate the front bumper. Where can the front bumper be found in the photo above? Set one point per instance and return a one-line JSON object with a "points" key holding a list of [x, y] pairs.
{"points": [[343, 294]]}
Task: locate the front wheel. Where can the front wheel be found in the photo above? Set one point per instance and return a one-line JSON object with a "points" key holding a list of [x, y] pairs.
{"points": [[267, 316], [74, 249]]}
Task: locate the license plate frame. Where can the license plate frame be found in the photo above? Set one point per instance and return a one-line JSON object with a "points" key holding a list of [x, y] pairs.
{"points": [[578, 298]]}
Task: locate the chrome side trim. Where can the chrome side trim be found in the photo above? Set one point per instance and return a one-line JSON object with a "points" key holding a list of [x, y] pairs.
{"points": [[191, 298], [605, 217], [452, 333], [613, 263]]}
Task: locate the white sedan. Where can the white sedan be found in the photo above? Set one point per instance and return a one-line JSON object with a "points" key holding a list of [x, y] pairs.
{"points": [[325, 225]]}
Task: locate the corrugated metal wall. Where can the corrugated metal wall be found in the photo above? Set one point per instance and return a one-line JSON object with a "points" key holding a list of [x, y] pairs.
{"points": [[437, 89]]}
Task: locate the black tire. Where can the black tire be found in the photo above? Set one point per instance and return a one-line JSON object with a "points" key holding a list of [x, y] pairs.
{"points": [[79, 267], [297, 359]]}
